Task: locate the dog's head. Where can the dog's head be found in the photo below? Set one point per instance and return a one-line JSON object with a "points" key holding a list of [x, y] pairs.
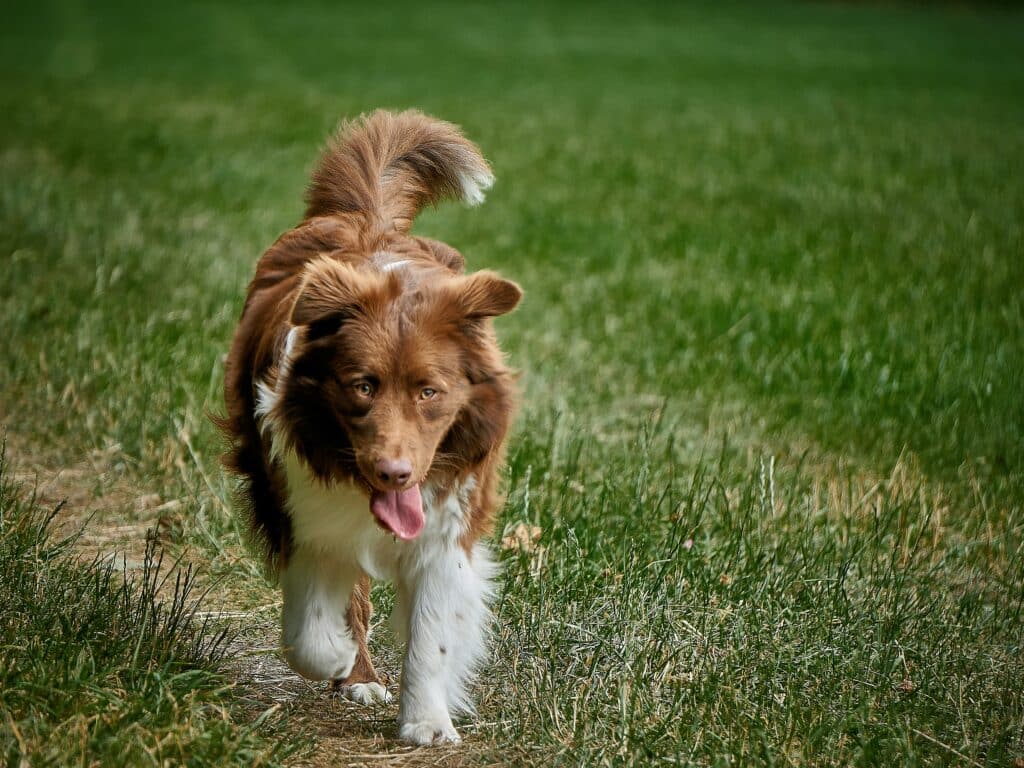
{"points": [[389, 376]]}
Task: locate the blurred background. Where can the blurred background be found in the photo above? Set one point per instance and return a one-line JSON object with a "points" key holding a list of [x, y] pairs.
{"points": [[816, 205]]}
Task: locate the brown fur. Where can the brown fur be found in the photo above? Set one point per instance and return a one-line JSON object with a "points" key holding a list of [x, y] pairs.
{"points": [[403, 330], [360, 611]]}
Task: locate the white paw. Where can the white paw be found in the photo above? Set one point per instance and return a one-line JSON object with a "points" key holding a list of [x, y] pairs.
{"points": [[428, 733], [363, 693]]}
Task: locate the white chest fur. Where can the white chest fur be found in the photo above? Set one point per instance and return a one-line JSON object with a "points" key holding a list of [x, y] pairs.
{"points": [[336, 518]]}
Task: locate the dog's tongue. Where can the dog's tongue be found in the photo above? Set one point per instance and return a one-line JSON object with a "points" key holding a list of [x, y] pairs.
{"points": [[401, 512]]}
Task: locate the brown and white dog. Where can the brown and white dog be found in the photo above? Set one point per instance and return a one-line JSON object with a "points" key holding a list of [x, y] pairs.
{"points": [[367, 408]]}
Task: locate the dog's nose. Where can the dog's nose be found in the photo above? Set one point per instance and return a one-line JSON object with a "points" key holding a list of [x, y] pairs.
{"points": [[394, 472]]}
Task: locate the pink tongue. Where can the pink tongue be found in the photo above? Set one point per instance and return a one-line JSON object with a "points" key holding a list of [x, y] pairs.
{"points": [[401, 512]]}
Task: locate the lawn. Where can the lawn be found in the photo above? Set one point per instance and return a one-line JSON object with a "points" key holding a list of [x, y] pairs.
{"points": [[772, 350]]}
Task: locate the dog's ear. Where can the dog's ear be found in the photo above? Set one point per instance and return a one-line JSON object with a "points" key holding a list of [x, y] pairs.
{"points": [[333, 292], [487, 294]]}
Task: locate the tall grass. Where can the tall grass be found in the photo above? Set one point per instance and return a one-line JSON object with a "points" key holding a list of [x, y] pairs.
{"points": [[101, 667]]}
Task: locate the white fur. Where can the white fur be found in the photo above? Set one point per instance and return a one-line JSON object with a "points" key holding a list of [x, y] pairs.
{"points": [[388, 262], [392, 266], [315, 636], [475, 181], [365, 693], [267, 397], [442, 611], [442, 601]]}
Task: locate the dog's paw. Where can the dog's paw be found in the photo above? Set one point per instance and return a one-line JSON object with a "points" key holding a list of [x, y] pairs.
{"points": [[362, 693], [428, 733]]}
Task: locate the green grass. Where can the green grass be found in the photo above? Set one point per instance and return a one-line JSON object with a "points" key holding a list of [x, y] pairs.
{"points": [[772, 338], [98, 668]]}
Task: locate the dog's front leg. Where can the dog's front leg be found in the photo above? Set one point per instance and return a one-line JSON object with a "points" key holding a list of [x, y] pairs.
{"points": [[442, 610], [315, 636]]}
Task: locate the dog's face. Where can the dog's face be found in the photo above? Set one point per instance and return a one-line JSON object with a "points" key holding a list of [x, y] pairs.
{"points": [[385, 366]]}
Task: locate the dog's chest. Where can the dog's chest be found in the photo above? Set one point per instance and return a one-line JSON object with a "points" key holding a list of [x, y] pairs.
{"points": [[336, 517]]}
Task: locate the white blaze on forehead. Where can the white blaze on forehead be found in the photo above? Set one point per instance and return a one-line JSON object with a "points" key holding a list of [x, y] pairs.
{"points": [[388, 262]]}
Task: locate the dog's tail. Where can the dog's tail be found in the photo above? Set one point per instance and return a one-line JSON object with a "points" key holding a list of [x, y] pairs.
{"points": [[386, 166]]}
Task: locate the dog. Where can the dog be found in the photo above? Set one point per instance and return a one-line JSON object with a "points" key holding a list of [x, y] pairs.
{"points": [[368, 405]]}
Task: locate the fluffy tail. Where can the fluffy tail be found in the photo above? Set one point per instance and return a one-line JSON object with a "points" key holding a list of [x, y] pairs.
{"points": [[387, 166]]}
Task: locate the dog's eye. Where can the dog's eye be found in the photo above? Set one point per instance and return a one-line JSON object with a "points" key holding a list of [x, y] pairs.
{"points": [[427, 393], [363, 388]]}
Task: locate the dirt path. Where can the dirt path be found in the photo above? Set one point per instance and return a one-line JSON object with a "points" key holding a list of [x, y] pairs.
{"points": [[346, 733], [114, 517]]}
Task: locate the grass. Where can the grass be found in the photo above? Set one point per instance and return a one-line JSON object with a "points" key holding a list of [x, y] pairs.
{"points": [[102, 668], [772, 340]]}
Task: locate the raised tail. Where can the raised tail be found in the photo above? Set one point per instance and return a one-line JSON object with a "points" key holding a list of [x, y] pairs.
{"points": [[387, 166]]}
